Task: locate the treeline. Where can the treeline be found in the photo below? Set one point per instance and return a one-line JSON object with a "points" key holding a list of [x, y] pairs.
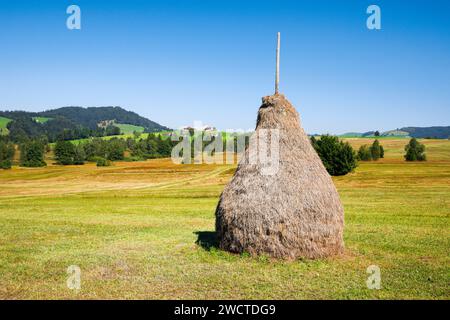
{"points": [[31, 153], [103, 152], [25, 128], [338, 156]]}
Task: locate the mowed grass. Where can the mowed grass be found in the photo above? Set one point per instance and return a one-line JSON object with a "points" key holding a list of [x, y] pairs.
{"points": [[129, 128], [133, 228]]}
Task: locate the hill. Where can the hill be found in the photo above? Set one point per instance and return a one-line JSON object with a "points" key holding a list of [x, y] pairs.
{"points": [[74, 123], [91, 116], [428, 132], [415, 132], [395, 133]]}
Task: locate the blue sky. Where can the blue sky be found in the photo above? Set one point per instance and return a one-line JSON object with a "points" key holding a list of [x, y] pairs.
{"points": [[180, 61]]}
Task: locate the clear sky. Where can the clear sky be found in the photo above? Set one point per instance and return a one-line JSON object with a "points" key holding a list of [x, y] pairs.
{"points": [[180, 61]]}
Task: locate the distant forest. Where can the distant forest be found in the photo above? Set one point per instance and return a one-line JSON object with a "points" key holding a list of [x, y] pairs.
{"points": [[428, 132], [70, 123], [437, 132]]}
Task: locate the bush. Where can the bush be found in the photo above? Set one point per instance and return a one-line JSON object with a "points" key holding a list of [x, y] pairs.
{"points": [[133, 158], [415, 151], [102, 162], [337, 156], [364, 153], [5, 164]]}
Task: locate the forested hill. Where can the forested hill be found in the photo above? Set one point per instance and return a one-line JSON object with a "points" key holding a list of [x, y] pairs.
{"points": [[437, 132], [428, 132], [91, 116], [73, 122]]}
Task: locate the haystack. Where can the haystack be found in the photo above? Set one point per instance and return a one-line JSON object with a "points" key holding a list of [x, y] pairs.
{"points": [[294, 212]]}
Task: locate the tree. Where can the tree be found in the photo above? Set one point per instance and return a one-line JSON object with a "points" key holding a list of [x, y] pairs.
{"points": [[95, 147], [338, 157], [381, 152], [64, 152], [115, 149], [164, 146], [364, 153], [375, 150], [136, 135], [112, 130], [313, 141], [7, 151], [152, 146], [415, 151], [377, 133], [32, 154], [80, 155]]}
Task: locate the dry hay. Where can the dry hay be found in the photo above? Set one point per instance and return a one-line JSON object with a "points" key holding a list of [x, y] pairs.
{"points": [[295, 212]]}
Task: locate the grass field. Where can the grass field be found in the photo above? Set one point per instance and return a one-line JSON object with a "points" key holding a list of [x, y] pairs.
{"points": [[41, 119], [133, 230], [128, 128], [3, 122]]}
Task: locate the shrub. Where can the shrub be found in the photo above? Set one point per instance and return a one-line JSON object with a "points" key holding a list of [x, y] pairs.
{"points": [[134, 158], [415, 151], [338, 157], [364, 153], [102, 162], [5, 164]]}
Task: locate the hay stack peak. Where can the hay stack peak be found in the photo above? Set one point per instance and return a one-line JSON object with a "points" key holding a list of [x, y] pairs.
{"points": [[291, 213]]}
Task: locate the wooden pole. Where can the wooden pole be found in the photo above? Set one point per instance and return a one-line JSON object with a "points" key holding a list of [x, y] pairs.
{"points": [[277, 72]]}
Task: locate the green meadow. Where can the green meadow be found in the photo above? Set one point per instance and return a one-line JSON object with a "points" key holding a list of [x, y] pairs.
{"points": [[144, 230], [129, 129], [41, 119], [3, 123]]}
